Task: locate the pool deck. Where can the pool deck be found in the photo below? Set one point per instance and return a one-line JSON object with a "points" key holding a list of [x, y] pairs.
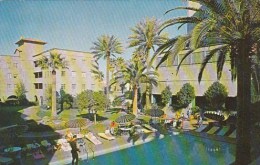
{"points": [[122, 142]]}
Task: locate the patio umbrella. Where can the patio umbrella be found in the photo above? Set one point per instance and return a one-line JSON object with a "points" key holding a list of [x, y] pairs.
{"points": [[77, 123], [154, 112], [218, 116], [125, 118]]}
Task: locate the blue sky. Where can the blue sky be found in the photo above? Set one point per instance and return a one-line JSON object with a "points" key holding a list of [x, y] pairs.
{"points": [[75, 24]]}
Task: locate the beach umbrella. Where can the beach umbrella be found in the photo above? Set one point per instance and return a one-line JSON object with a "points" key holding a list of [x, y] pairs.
{"points": [[154, 112], [125, 118], [217, 116], [77, 123]]}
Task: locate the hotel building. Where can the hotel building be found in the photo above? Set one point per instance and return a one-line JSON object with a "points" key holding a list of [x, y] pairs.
{"points": [[22, 67]]}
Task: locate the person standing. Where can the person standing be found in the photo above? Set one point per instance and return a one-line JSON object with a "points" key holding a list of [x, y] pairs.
{"points": [[74, 150]]}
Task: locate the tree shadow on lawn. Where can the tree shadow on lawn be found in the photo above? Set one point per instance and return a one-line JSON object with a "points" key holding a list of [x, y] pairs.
{"points": [[20, 132], [90, 116]]}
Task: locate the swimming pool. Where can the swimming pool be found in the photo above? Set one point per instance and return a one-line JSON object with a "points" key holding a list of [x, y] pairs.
{"points": [[180, 150]]}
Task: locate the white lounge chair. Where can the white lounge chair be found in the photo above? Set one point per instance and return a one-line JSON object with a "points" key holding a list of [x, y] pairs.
{"points": [[233, 134], [201, 128], [93, 138], [212, 130], [149, 127], [106, 136]]}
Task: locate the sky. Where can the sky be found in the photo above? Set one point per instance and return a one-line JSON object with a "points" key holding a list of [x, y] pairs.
{"points": [[75, 25]]}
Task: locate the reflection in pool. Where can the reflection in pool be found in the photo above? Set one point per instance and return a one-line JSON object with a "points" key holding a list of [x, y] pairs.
{"points": [[180, 150]]}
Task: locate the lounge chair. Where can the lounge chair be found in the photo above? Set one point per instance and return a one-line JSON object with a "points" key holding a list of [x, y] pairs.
{"points": [[233, 134], [212, 130], [106, 136], [149, 127], [92, 138], [201, 128], [223, 130], [64, 145]]}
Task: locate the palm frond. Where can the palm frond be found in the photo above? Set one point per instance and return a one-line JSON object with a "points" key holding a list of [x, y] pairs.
{"points": [[220, 62], [183, 8], [205, 61], [179, 20]]}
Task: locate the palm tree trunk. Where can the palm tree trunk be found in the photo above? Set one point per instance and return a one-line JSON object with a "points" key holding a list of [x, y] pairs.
{"points": [[243, 102], [135, 101], [53, 98], [107, 79]]}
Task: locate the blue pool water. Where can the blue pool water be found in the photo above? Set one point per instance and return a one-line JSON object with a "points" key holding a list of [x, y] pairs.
{"points": [[180, 150]]}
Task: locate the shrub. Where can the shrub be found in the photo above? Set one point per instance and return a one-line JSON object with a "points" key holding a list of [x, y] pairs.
{"points": [[195, 109], [166, 95], [117, 102], [20, 92], [216, 96], [185, 95]]}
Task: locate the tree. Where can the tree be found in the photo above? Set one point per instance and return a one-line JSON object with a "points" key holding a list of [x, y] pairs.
{"points": [[216, 96], [166, 95], [185, 95], [54, 62], [105, 47], [82, 100], [231, 28], [66, 100], [98, 75], [145, 36], [48, 95], [91, 101], [20, 92], [133, 74]]}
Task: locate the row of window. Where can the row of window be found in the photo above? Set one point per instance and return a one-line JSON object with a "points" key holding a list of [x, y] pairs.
{"points": [[10, 75], [194, 58], [73, 86]]}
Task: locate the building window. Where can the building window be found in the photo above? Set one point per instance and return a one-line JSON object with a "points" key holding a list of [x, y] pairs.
{"points": [[83, 74], [15, 65], [38, 85], [36, 64], [8, 86], [73, 86], [63, 86], [38, 74], [83, 86], [63, 73], [9, 75], [73, 74]]}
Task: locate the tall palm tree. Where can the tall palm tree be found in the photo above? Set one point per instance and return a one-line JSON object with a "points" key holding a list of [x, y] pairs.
{"points": [[54, 62], [132, 74], [230, 28], [107, 46], [145, 36]]}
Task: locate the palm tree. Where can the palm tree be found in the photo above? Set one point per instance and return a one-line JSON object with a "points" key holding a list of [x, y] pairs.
{"points": [[145, 36], [230, 28], [98, 75], [54, 62], [105, 47], [133, 73]]}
